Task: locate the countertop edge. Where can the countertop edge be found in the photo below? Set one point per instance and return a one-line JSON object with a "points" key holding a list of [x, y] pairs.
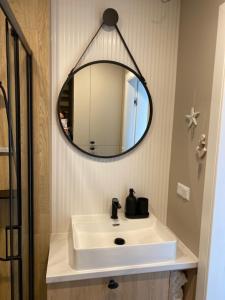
{"points": [[187, 261], [124, 272]]}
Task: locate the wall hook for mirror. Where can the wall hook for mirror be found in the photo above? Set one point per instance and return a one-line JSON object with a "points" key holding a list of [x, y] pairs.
{"points": [[110, 17]]}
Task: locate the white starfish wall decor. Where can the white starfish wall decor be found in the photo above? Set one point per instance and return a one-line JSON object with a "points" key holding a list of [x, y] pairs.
{"points": [[192, 118]]}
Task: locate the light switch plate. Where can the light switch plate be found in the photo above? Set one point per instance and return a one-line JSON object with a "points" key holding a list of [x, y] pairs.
{"points": [[183, 191]]}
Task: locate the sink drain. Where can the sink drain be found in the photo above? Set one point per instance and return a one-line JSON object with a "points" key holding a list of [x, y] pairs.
{"points": [[119, 241]]}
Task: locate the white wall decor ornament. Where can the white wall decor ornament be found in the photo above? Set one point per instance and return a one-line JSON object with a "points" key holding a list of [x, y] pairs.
{"points": [[192, 118]]}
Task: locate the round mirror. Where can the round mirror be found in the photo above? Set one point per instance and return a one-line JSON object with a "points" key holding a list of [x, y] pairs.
{"points": [[104, 109]]}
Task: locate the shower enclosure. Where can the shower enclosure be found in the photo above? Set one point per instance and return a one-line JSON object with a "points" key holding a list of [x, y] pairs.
{"points": [[16, 166]]}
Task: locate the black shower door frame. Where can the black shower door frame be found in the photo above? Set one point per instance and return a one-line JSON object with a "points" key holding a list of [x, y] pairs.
{"points": [[12, 28]]}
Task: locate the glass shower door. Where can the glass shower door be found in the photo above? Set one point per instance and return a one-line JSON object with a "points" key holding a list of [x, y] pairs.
{"points": [[5, 266], [10, 203], [16, 185]]}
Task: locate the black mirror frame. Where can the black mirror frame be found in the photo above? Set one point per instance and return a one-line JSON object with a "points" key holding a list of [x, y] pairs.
{"points": [[73, 72]]}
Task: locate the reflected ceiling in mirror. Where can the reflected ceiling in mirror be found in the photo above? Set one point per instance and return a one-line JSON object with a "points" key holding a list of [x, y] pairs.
{"points": [[104, 109]]}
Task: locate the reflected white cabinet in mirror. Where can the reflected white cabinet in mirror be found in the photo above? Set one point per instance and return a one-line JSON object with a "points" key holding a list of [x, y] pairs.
{"points": [[105, 109]]}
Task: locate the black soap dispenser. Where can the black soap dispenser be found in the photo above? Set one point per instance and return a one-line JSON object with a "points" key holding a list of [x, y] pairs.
{"points": [[131, 205]]}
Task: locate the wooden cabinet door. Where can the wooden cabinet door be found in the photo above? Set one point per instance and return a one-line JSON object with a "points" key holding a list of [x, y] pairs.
{"points": [[152, 286]]}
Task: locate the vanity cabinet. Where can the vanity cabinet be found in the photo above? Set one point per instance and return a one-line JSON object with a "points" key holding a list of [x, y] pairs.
{"points": [[151, 286]]}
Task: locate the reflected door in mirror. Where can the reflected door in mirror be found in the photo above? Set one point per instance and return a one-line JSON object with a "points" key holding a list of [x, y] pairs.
{"points": [[104, 109]]}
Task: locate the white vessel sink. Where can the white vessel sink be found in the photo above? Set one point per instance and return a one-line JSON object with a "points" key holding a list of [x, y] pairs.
{"points": [[146, 241]]}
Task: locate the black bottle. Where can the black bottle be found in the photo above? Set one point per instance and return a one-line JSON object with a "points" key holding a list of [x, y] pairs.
{"points": [[131, 205], [142, 207]]}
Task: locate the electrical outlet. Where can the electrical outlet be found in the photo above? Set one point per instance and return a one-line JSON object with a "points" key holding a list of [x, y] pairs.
{"points": [[183, 191]]}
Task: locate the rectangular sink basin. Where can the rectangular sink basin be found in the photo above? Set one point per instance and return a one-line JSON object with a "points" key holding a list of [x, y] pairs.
{"points": [[145, 241]]}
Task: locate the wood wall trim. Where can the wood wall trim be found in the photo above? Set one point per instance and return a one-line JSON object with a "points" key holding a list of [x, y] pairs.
{"points": [[34, 18]]}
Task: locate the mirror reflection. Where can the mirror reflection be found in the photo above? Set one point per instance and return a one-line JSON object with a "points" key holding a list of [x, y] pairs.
{"points": [[104, 109]]}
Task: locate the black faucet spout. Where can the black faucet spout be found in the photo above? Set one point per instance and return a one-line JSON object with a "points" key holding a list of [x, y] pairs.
{"points": [[115, 206]]}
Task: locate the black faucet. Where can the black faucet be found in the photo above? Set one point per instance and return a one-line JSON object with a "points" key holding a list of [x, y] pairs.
{"points": [[115, 206]]}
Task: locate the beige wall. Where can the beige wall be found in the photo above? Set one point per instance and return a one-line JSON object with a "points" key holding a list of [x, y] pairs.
{"points": [[197, 41], [34, 18]]}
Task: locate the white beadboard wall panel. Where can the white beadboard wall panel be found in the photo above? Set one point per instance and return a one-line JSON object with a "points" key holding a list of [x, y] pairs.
{"points": [[83, 185]]}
